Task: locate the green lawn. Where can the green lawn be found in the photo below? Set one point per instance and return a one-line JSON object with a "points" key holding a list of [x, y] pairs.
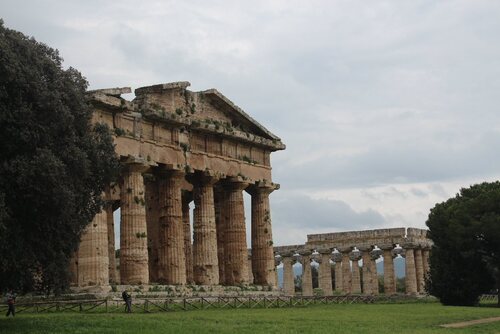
{"points": [[356, 318]]}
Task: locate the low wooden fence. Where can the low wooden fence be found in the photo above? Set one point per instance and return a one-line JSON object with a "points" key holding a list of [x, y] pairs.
{"points": [[189, 303]]}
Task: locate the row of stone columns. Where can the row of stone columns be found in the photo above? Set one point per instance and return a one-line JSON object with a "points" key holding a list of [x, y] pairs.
{"points": [[155, 234], [347, 270]]}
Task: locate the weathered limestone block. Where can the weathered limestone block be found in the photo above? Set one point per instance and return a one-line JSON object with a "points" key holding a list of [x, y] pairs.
{"points": [[111, 243], [263, 265], [205, 262], [288, 282], [93, 260], [172, 256], [133, 238], [235, 245], [410, 273], [325, 272], [389, 275], [307, 287], [187, 197], [346, 271], [419, 266], [153, 226]]}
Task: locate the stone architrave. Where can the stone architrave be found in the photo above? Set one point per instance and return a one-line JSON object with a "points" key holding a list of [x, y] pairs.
{"points": [[288, 282], [367, 271], [346, 271], [220, 203], [419, 266], [133, 231], [389, 275], [205, 261], [93, 260], [153, 226], [187, 197], [356, 279], [235, 243], [111, 242], [263, 265], [325, 272], [410, 273], [171, 242], [307, 287]]}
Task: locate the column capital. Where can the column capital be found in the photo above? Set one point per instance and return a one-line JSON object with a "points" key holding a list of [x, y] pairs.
{"points": [[345, 250], [305, 252], [409, 245], [205, 177], [386, 246], [365, 248], [325, 251], [235, 183], [136, 164], [376, 253], [262, 187], [164, 171]]}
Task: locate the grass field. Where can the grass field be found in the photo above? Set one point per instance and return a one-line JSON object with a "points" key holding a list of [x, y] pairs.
{"points": [[354, 318]]}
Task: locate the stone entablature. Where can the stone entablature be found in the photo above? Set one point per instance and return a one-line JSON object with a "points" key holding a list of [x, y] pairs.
{"points": [[169, 124], [379, 237], [177, 146]]}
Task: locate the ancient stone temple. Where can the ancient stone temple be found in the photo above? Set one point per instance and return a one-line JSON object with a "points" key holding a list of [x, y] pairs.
{"points": [[353, 256], [177, 146]]}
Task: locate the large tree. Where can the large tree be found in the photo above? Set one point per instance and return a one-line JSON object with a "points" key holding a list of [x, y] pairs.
{"points": [[54, 164], [465, 258]]}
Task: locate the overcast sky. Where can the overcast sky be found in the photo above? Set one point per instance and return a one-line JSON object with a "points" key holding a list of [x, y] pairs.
{"points": [[386, 107]]}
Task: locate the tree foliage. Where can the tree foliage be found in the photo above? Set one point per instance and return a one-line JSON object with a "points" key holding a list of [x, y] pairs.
{"points": [[465, 258], [53, 165]]}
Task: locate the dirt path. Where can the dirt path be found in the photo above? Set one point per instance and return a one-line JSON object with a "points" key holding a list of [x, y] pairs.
{"points": [[470, 323]]}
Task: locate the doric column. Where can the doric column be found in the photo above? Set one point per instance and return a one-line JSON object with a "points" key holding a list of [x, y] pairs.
{"points": [[73, 269], [262, 236], [288, 282], [367, 274], [419, 266], [325, 272], [133, 231], [346, 270], [205, 262], [171, 251], [389, 276], [220, 204], [111, 242], [339, 282], [355, 256], [153, 225], [307, 287], [187, 197], [410, 273], [93, 260], [250, 278], [235, 242], [375, 254], [425, 260]]}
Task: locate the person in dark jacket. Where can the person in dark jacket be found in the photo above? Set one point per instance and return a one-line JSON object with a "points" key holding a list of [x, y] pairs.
{"points": [[11, 303], [127, 298]]}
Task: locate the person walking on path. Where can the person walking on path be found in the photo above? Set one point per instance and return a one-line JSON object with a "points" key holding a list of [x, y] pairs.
{"points": [[128, 301], [11, 303]]}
